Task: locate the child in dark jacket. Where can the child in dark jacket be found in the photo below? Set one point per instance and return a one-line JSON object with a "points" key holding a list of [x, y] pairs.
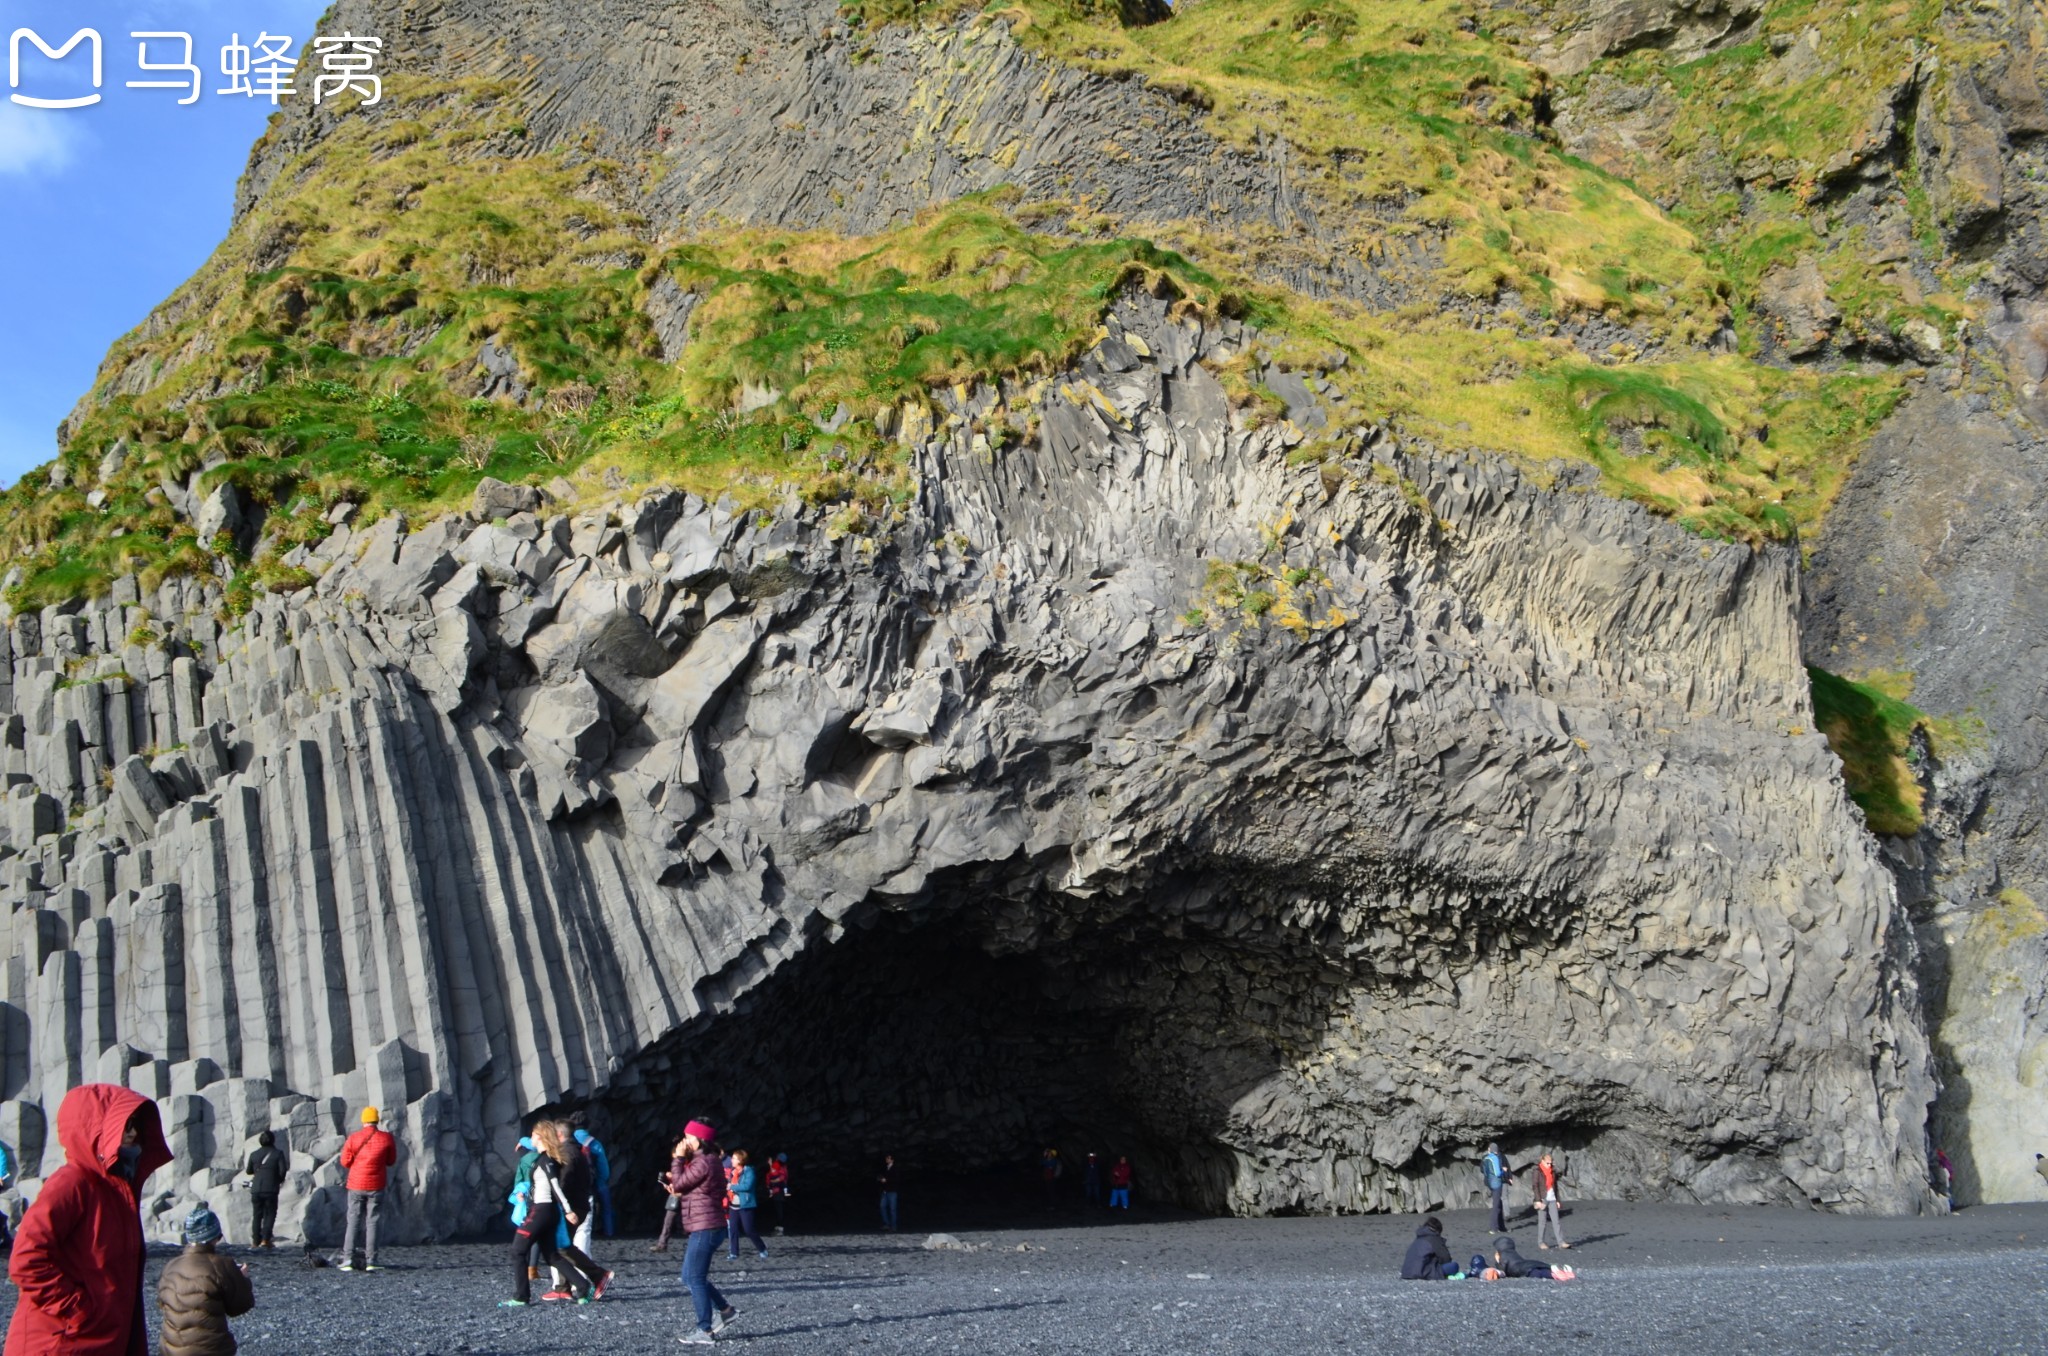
{"points": [[1509, 1264], [200, 1291], [1429, 1257]]}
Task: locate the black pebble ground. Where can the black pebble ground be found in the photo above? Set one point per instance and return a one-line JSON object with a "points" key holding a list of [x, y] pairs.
{"points": [[1656, 1279]]}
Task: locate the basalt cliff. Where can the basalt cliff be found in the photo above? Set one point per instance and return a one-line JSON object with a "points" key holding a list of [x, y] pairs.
{"points": [[1236, 583]]}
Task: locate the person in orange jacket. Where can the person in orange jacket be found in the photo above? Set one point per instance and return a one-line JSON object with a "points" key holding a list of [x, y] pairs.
{"points": [[79, 1254], [367, 1157]]}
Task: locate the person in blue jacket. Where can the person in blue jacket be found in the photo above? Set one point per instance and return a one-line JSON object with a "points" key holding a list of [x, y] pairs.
{"points": [[1498, 1179], [742, 1198], [601, 1170]]}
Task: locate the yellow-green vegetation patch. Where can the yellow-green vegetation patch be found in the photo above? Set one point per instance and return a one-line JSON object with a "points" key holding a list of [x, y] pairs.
{"points": [[1241, 593], [1870, 727], [330, 349], [1729, 447], [1410, 117]]}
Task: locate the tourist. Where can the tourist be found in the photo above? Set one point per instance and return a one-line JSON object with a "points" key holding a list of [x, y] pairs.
{"points": [[1091, 1181], [1546, 1202], [743, 1197], [267, 1168], [1429, 1257], [6, 1181], [579, 1191], [2041, 1166], [1498, 1179], [1508, 1263], [1120, 1183], [702, 1189], [601, 1169], [522, 1206], [367, 1157], [674, 1203], [77, 1264], [548, 1208], [1049, 1170], [200, 1291], [891, 1179], [778, 1190], [1945, 1178]]}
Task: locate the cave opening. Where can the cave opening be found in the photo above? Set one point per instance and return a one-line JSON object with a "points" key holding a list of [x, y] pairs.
{"points": [[924, 1039]]}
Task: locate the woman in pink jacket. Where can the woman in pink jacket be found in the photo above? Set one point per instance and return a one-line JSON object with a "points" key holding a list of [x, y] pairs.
{"points": [[699, 1184]]}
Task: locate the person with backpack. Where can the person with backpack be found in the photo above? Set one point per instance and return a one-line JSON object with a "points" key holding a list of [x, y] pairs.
{"points": [[743, 1197], [522, 1205], [549, 1205], [778, 1190], [199, 1291], [1494, 1169], [1545, 1192], [367, 1157], [1429, 1257], [267, 1168], [1120, 1183], [601, 1173]]}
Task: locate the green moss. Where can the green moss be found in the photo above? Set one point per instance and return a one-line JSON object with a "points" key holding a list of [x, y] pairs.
{"points": [[1871, 730], [327, 351]]}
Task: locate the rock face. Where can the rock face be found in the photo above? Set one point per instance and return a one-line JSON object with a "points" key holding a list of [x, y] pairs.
{"points": [[1461, 808]]}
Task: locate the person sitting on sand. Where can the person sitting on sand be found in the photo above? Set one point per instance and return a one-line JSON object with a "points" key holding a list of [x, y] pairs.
{"points": [[1509, 1264], [1429, 1257]]}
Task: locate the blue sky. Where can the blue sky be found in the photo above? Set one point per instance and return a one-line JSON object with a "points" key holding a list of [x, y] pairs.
{"points": [[105, 210]]}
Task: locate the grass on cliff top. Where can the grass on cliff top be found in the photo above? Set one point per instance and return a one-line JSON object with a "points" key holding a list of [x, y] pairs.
{"points": [[1410, 118], [1870, 727], [328, 351], [965, 293]]}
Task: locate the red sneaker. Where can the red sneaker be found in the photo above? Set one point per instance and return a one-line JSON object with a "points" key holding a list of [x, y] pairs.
{"points": [[557, 1295], [604, 1284]]}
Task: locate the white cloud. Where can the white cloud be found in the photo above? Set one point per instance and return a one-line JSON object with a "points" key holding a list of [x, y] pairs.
{"points": [[34, 141]]}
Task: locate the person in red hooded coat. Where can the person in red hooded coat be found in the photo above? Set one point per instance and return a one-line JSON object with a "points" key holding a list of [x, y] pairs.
{"points": [[79, 1254]]}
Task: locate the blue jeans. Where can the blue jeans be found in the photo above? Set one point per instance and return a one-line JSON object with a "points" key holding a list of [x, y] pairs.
{"points": [[704, 1296], [889, 1210], [1119, 1197]]}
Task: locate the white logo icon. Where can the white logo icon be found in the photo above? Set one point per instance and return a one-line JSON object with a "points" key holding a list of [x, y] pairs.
{"points": [[54, 54]]}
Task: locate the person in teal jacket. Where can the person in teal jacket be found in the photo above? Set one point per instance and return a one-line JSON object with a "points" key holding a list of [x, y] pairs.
{"points": [[601, 1171], [6, 1183], [522, 1200], [743, 1197]]}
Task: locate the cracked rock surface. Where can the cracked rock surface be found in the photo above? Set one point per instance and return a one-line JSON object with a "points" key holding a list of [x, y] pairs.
{"points": [[1503, 817]]}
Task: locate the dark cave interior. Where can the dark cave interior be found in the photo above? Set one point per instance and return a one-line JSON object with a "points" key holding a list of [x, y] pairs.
{"points": [[916, 1041]]}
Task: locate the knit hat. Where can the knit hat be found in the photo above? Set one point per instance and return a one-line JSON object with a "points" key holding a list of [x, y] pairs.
{"points": [[704, 1133], [201, 1226], [369, 1115]]}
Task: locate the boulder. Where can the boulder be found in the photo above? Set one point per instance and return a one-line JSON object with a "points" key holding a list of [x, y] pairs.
{"points": [[495, 499]]}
